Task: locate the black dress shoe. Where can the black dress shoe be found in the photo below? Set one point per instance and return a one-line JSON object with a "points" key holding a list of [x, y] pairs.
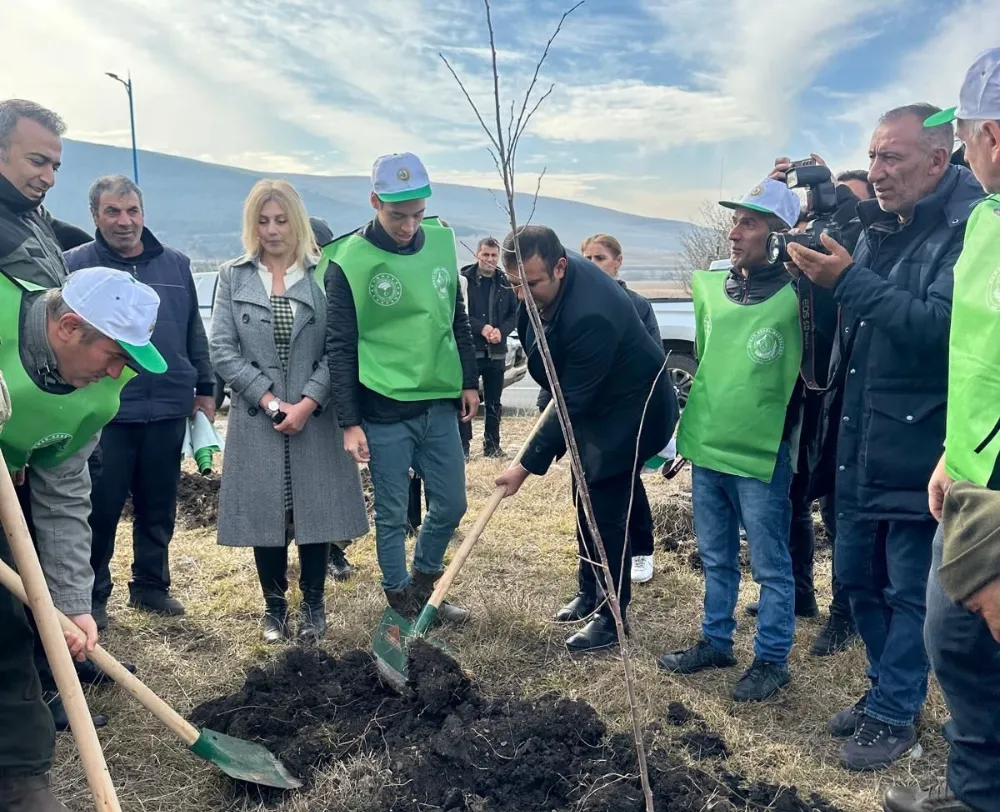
{"points": [[599, 633], [90, 674], [338, 566], [59, 715], [580, 608], [159, 602]]}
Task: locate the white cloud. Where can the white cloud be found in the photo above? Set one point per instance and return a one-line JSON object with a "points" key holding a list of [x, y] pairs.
{"points": [[931, 72]]}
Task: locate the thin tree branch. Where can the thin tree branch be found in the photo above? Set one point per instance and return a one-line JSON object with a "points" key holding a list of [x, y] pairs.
{"points": [[468, 98], [505, 152], [534, 200]]}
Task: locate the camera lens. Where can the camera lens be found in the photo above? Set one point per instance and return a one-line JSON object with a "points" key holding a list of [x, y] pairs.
{"points": [[776, 248]]}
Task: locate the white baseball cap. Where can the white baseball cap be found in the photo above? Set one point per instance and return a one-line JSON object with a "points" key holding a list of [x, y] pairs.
{"points": [[399, 177], [119, 306], [979, 98], [770, 197]]}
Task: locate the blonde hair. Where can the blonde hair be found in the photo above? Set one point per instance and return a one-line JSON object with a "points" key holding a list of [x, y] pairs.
{"points": [[607, 241], [284, 194]]}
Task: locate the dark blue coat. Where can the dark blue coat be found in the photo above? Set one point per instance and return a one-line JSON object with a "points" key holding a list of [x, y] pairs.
{"points": [[892, 351], [607, 364], [179, 334]]}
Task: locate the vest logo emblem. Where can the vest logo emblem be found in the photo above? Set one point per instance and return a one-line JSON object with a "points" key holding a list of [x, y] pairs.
{"points": [[439, 278], [706, 326], [993, 291], [765, 345], [385, 289]]}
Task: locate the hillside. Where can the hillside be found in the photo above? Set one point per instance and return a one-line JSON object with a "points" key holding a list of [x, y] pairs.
{"points": [[195, 206]]}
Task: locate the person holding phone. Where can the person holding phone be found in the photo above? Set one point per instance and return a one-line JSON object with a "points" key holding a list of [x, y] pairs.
{"points": [[285, 474]]}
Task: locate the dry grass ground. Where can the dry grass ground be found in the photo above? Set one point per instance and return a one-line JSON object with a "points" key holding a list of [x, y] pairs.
{"points": [[520, 573]]}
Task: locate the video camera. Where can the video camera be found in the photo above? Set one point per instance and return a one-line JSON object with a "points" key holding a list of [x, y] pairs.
{"points": [[821, 203]]}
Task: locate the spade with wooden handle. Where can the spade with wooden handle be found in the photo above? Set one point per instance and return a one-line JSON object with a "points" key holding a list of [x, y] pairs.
{"points": [[49, 629], [247, 761]]}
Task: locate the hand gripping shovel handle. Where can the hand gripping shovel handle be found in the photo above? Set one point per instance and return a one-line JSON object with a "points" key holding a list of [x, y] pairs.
{"points": [[185, 731], [463, 552], [44, 612]]}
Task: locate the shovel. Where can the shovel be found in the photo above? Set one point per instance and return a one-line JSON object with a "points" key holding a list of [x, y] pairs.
{"points": [[45, 616], [237, 758], [395, 633]]}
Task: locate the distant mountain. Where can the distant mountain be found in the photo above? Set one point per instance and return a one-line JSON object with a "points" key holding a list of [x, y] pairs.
{"points": [[196, 206]]}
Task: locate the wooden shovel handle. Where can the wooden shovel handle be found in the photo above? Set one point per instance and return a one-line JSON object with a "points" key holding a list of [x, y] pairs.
{"points": [[465, 549], [114, 669], [44, 613]]}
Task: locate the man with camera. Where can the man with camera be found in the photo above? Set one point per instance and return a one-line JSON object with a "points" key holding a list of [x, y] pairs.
{"points": [[891, 361], [963, 593], [740, 429]]}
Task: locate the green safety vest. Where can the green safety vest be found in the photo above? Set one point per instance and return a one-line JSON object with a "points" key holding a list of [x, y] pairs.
{"points": [[46, 429], [749, 358], [405, 306], [972, 441]]}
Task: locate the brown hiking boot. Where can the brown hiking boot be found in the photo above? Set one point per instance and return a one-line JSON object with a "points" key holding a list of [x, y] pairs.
{"points": [[423, 586]]}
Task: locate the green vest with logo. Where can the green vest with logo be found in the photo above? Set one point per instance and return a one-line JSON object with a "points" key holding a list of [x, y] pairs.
{"points": [[405, 306], [46, 429], [749, 358], [972, 443]]}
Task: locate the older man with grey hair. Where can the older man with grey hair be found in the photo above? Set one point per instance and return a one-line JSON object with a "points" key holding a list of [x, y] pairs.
{"points": [[141, 447], [56, 500], [891, 360]]}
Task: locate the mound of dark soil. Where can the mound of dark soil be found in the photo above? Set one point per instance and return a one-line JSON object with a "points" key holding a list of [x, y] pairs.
{"points": [[452, 749], [197, 502]]}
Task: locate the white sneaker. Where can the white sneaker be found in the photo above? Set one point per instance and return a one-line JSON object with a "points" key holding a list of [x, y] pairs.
{"points": [[642, 569]]}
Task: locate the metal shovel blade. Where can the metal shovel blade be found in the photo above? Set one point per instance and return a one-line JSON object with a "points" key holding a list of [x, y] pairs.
{"points": [[243, 760], [389, 647]]}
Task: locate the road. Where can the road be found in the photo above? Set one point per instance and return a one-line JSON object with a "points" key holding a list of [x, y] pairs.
{"points": [[521, 396]]}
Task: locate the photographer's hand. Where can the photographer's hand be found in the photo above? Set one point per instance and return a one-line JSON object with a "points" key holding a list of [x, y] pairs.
{"points": [[823, 269], [782, 164]]}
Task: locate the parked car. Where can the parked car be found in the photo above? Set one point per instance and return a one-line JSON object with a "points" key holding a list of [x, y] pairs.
{"points": [[206, 284]]}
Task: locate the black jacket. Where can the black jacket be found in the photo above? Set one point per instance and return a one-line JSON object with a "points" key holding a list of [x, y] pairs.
{"points": [[494, 299], [179, 334], [355, 402], [892, 351], [606, 363], [643, 309]]}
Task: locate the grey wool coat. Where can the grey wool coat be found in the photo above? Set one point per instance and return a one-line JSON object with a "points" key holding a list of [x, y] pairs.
{"points": [[326, 485]]}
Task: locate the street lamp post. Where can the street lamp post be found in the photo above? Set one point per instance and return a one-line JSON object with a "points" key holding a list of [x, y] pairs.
{"points": [[131, 116]]}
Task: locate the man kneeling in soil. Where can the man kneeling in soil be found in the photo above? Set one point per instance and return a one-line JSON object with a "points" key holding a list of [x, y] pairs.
{"points": [[64, 354], [610, 371]]}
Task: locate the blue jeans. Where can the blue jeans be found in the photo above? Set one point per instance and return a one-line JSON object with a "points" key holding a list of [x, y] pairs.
{"points": [[721, 502], [430, 443], [966, 661], [883, 567]]}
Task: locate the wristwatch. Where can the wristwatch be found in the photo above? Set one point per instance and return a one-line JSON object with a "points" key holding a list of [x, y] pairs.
{"points": [[272, 407]]}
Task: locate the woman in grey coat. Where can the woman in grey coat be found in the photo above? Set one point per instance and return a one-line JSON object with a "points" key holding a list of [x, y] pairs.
{"points": [[285, 472]]}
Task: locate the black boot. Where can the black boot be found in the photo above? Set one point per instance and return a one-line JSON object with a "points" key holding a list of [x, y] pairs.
{"points": [[339, 567], [272, 567], [402, 602], [275, 619], [581, 607], [59, 715], [423, 585], [599, 633], [312, 581]]}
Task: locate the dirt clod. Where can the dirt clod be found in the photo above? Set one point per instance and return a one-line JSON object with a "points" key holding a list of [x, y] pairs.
{"points": [[451, 748], [197, 501]]}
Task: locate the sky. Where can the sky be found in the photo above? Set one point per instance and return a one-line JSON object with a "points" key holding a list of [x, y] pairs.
{"points": [[657, 106]]}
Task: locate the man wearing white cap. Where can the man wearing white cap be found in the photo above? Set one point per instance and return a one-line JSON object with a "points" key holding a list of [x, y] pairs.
{"points": [[739, 430], [963, 652], [401, 363], [64, 355]]}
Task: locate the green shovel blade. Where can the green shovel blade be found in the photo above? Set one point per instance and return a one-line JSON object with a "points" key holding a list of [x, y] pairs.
{"points": [[392, 642], [244, 760]]}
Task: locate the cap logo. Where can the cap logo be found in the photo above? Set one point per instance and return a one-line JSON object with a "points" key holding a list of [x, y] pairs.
{"points": [[403, 174], [757, 191]]}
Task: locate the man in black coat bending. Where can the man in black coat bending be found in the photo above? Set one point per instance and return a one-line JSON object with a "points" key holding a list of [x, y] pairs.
{"points": [[608, 367]]}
